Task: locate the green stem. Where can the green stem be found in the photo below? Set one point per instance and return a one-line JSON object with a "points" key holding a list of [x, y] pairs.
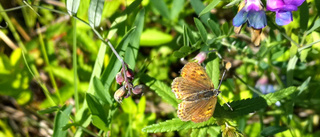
{"points": [[74, 60], [250, 87], [46, 59], [308, 46], [36, 76]]}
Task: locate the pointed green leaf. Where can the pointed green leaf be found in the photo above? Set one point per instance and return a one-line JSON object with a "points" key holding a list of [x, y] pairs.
{"points": [[272, 98], [161, 6], [161, 89], [202, 29], [315, 26], [212, 68], [214, 27], [240, 108], [132, 50], [176, 125], [95, 11], [290, 68], [60, 120], [272, 130], [177, 6], [72, 6], [198, 6], [49, 110], [304, 16], [114, 65], [293, 50], [185, 36], [101, 92], [131, 7], [212, 5], [98, 111]]}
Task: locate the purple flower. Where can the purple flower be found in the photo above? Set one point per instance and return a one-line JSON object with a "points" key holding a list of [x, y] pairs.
{"points": [[283, 9], [251, 11]]}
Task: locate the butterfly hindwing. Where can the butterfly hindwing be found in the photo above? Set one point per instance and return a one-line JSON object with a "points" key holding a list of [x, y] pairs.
{"points": [[197, 111]]}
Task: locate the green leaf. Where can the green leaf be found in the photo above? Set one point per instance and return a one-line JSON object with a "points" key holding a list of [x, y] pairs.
{"points": [[131, 7], [49, 110], [97, 68], [315, 26], [72, 6], [304, 54], [185, 36], [95, 11], [176, 125], [293, 50], [304, 16], [240, 108], [114, 65], [202, 29], [101, 92], [154, 37], [304, 86], [61, 119], [272, 98], [191, 36], [317, 3], [161, 89], [195, 132], [98, 111], [290, 68], [177, 6], [198, 6], [213, 4], [161, 6], [272, 130], [214, 27], [212, 68], [132, 50]]}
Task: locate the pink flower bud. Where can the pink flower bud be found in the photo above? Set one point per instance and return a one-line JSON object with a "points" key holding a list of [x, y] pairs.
{"points": [[119, 78], [201, 57], [118, 95], [138, 89], [130, 74]]}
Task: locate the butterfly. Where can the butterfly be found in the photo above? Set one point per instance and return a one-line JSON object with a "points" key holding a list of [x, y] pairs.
{"points": [[197, 93]]}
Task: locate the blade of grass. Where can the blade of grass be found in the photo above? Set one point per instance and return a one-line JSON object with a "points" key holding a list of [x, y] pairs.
{"points": [[213, 4], [74, 63], [46, 59]]}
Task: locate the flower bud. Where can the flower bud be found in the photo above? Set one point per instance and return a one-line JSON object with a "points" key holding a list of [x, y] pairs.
{"points": [[119, 78], [130, 74], [201, 57], [138, 89], [118, 95]]}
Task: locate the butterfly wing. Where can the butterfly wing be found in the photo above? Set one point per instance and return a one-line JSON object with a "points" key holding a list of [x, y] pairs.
{"points": [[184, 88], [197, 111], [195, 73]]}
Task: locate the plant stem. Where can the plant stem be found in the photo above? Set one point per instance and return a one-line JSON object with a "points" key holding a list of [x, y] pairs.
{"points": [[250, 87], [74, 61]]}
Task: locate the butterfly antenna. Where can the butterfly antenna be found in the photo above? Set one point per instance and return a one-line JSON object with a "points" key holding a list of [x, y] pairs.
{"points": [[227, 67]]}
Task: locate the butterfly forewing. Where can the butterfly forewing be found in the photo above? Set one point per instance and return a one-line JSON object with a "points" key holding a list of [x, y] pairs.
{"points": [[184, 88], [193, 72], [197, 111]]}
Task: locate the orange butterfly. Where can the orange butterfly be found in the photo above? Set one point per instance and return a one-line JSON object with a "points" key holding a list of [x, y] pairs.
{"points": [[196, 90]]}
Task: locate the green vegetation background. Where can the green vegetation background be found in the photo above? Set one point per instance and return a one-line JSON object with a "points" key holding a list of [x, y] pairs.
{"points": [[57, 71]]}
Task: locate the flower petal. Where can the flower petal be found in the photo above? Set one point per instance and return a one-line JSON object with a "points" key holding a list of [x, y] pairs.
{"points": [[283, 18], [274, 5], [240, 18], [257, 19], [293, 2]]}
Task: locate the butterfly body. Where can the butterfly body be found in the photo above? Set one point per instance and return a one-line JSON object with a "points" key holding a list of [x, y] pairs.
{"points": [[197, 93]]}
